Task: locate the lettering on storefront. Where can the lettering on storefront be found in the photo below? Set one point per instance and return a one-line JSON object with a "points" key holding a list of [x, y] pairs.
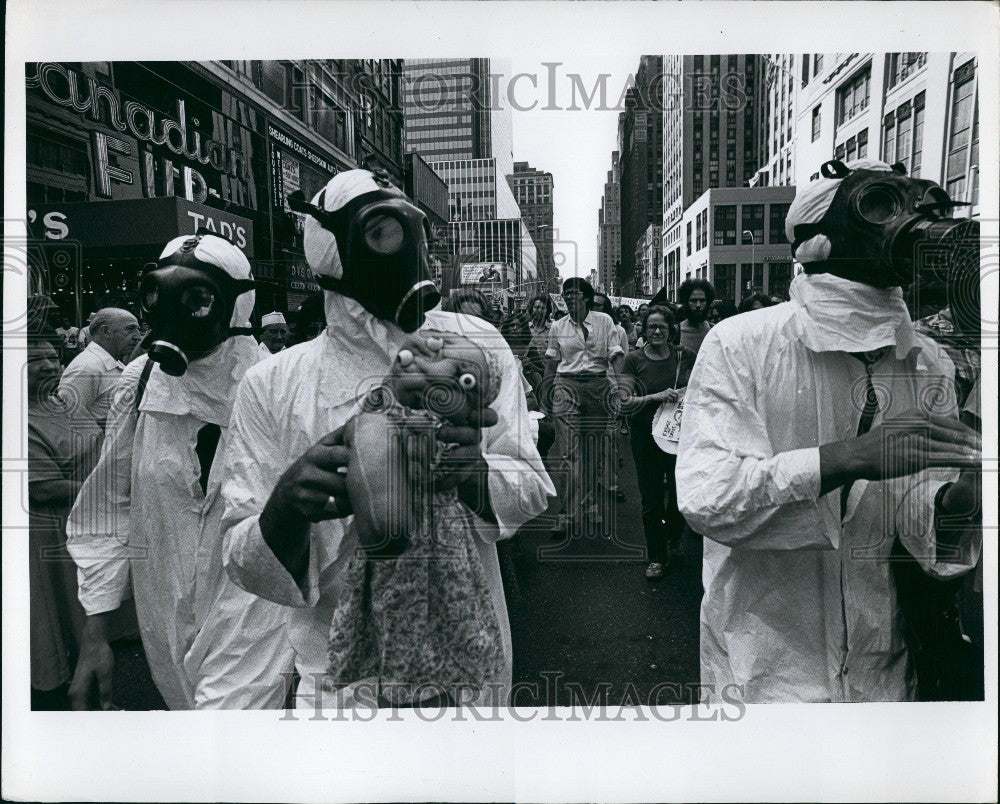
{"points": [[85, 95]]}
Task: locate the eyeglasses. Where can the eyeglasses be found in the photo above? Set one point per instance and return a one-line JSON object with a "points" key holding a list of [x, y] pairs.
{"points": [[657, 328]]}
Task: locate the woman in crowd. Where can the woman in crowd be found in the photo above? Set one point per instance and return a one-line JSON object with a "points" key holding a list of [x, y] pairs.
{"points": [[539, 325], [470, 302], [626, 320], [758, 301], [656, 373], [64, 443], [720, 310]]}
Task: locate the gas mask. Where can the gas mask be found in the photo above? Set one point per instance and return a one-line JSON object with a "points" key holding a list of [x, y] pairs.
{"points": [[882, 228], [194, 297], [365, 240]]}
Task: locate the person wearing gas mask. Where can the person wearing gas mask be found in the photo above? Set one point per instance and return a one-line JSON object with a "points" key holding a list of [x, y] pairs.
{"points": [[817, 433], [148, 517], [288, 524], [273, 334]]}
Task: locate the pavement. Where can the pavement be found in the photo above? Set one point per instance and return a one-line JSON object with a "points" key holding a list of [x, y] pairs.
{"points": [[585, 621]]}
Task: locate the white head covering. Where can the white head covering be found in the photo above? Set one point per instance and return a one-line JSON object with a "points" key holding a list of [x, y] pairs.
{"points": [[220, 252], [320, 245], [272, 318], [811, 204]]}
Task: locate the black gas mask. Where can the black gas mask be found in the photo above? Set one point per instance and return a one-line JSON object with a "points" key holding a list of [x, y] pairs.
{"points": [[381, 239], [188, 304], [887, 229]]}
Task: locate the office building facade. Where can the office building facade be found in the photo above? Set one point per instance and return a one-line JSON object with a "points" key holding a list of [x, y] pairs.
{"points": [[533, 191]]}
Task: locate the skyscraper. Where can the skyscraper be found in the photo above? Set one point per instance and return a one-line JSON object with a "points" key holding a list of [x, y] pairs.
{"points": [[533, 192], [457, 119], [609, 230], [640, 132], [712, 113]]}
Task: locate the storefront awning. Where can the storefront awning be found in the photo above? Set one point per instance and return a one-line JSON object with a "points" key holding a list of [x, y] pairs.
{"points": [[136, 223]]}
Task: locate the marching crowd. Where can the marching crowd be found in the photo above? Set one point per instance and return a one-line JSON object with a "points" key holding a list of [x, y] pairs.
{"points": [[328, 501]]}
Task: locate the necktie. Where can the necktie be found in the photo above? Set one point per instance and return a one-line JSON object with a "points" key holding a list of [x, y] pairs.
{"points": [[868, 412]]}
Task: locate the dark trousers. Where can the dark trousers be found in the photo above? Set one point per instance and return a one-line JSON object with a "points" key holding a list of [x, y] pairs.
{"points": [[661, 521], [581, 408]]}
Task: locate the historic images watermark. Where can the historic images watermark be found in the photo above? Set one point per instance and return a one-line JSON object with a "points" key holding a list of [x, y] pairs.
{"points": [[551, 698]]}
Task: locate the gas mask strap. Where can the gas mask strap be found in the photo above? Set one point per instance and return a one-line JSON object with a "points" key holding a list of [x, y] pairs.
{"points": [[804, 232]]}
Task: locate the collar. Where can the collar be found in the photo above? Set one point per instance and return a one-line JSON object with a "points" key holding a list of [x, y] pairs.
{"points": [[207, 389], [102, 354], [831, 314]]}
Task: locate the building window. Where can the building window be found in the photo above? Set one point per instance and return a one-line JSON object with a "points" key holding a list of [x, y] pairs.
{"points": [[963, 139], [903, 65], [853, 97], [725, 281], [753, 221], [815, 123], [689, 238], [817, 64], [889, 139], [697, 235], [805, 71], [777, 214], [725, 225], [918, 134], [779, 278], [904, 120]]}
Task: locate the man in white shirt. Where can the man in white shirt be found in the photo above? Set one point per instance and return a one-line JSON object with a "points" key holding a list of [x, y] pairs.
{"points": [[584, 353], [288, 526], [90, 378], [273, 334]]}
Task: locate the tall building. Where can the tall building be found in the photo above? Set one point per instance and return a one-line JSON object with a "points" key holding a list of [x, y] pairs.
{"points": [[458, 120], [179, 145], [783, 75], [533, 192], [649, 265], [713, 108], [609, 230], [640, 148], [920, 109]]}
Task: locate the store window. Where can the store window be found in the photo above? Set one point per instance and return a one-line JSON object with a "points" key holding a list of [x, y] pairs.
{"points": [[725, 281], [779, 278], [752, 278], [725, 225]]}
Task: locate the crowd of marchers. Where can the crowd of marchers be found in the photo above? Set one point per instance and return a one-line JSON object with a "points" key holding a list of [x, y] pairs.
{"points": [[326, 503]]}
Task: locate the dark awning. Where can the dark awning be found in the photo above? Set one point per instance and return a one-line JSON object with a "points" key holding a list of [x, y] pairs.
{"points": [[137, 223]]}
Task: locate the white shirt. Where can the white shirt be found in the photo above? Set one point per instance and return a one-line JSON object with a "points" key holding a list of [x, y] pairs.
{"points": [[286, 404], [142, 522], [797, 606], [578, 350], [90, 379]]}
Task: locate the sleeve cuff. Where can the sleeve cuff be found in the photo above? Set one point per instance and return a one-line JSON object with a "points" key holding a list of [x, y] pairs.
{"points": [[798, 471]]}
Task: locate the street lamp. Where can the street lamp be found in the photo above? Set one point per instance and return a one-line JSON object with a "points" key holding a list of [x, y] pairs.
{"points": [[753, 256]]}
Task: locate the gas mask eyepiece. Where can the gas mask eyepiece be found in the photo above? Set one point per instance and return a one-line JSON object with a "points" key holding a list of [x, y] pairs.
{"points": [[189, 299]]}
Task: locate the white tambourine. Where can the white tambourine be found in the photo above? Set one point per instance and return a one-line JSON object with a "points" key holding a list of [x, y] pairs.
{"points": [[667, 425]]}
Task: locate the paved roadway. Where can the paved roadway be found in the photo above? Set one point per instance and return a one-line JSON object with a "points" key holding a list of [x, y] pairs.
{"points": [[583, 612]]}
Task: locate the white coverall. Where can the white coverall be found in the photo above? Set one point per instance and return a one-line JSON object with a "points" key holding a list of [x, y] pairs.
{"points": [[799, 607], [287, 404], [142, 513]]}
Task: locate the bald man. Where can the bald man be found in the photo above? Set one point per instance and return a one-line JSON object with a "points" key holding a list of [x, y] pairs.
{"points": [[90, 378]]}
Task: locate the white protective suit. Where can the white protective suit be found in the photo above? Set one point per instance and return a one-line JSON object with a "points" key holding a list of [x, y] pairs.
{"points": [[142, 517], [286, 404], [799, 606]]}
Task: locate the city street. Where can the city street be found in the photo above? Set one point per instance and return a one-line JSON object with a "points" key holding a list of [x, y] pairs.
{"points": [[584, 609]]}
